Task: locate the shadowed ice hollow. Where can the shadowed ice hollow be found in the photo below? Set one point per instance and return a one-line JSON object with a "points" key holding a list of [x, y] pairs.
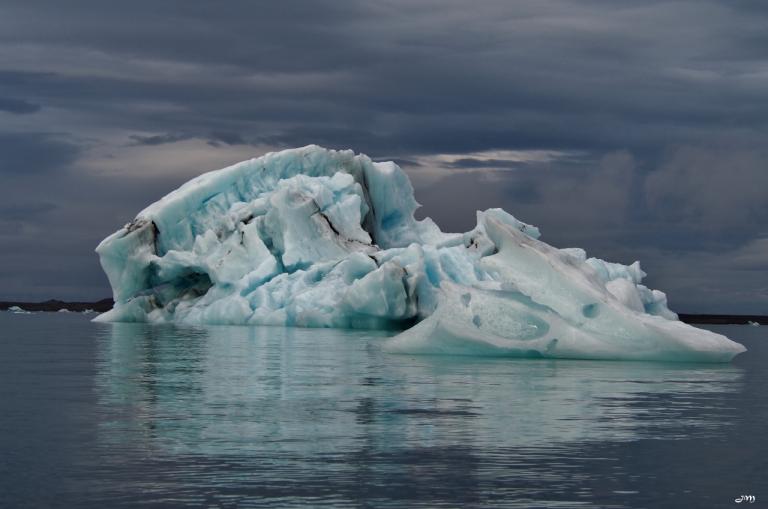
{"points": [[312, 237]]}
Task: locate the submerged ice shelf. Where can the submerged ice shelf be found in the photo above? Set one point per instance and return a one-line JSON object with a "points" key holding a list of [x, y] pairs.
{"points": [[313, 237]]}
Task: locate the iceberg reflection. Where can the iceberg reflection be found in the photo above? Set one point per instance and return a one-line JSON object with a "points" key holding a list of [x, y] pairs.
{"points": [[288, 417], [222, 390]]}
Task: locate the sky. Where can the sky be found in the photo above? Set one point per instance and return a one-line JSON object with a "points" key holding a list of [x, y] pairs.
{"points": [[635, 129]]}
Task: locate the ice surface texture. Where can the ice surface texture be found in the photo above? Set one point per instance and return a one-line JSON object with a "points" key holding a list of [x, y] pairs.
{"points": [[312, 237]]}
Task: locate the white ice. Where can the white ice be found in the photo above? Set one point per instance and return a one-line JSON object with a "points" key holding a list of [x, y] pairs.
{"points": [[320, 238]]}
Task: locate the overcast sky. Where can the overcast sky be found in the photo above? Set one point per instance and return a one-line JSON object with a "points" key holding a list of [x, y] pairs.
{"points": [[636, 130]]}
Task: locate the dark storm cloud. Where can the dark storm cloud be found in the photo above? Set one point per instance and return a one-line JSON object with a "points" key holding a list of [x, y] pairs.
{"points": [[664, 103], [18, 106], [563, 160], [214, 139], [218, 138], [35, 153], [403, 163], [159, 139], [472, 162], [416, 79], [16, 217], [23, 211]]}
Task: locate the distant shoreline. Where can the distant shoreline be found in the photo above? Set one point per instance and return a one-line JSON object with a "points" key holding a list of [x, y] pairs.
{"points": [[99, 306], [103, 305], [723, 319]]}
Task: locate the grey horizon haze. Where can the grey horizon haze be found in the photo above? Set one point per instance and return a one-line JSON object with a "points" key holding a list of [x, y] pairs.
{"points": [[636, 130]]}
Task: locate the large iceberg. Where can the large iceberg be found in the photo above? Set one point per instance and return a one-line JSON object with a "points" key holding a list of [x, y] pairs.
{"points": [[312, 237]]}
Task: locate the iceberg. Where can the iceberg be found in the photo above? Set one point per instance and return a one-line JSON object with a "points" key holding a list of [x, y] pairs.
{"points": [[312, 237]]}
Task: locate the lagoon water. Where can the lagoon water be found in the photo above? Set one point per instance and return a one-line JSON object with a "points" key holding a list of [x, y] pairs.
{"points": [[126, 415]]}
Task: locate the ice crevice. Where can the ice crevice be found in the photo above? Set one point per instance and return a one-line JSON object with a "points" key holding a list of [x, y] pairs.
{"points": [[313, 237]]}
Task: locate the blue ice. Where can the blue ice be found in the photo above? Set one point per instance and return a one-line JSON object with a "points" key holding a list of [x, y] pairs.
{"points": [[312, 237]]}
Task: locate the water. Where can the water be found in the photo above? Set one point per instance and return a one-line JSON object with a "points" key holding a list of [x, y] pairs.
{"points": [[122, 415]]}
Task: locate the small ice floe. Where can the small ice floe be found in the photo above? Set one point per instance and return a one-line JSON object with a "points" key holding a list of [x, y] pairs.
{"points": [[88, 311], [753, 324], [64, 310], [19, 311]]}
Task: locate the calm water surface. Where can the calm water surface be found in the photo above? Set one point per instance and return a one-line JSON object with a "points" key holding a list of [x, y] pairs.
{"points": [[126, 415]]}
